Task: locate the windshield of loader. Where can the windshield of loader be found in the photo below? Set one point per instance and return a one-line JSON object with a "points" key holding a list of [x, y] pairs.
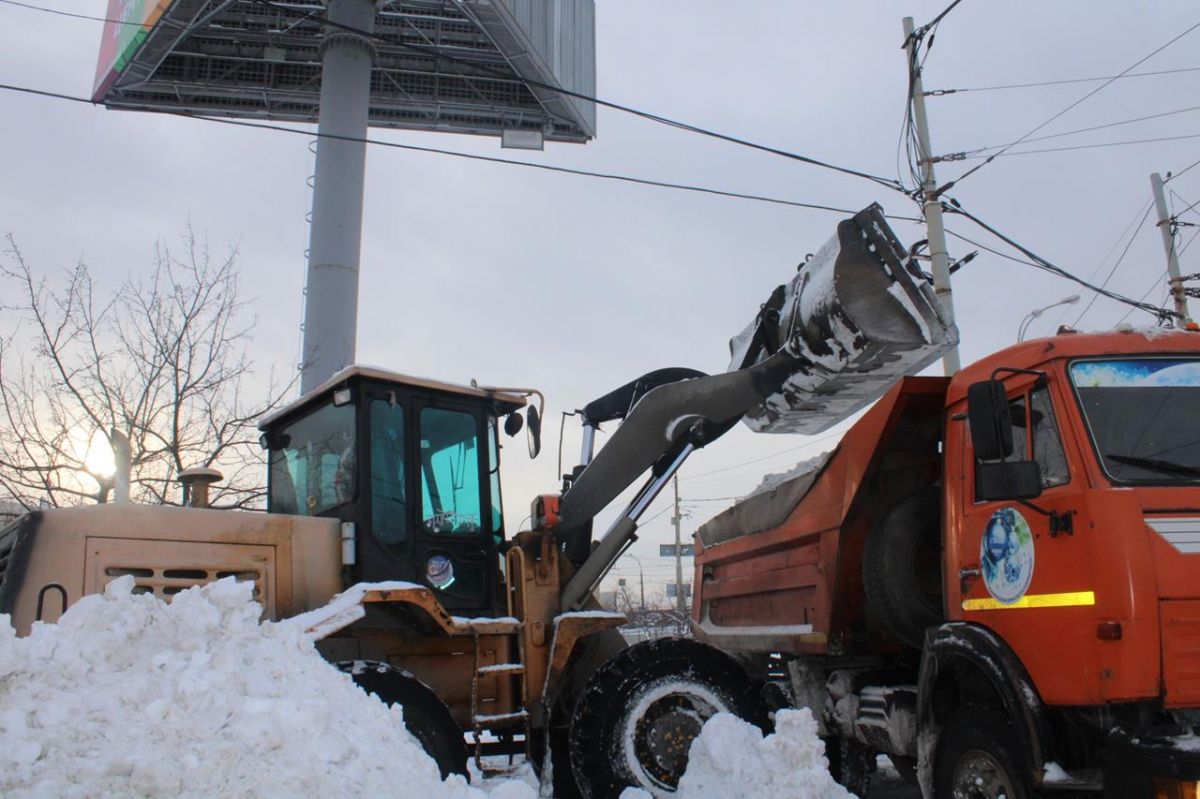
{"points": [[1142, 416], [312, 467]]}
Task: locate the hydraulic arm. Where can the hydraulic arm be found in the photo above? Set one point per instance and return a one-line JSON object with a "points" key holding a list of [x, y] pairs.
{"points": [[856, 317]]}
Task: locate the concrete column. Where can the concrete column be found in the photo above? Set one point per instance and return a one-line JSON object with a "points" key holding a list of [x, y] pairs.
{"points": [[331, 302]]}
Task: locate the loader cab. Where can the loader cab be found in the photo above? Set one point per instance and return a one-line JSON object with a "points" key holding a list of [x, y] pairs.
{"points": [[410, 467]]}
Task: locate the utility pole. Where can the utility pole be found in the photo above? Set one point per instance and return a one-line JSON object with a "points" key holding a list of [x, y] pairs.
{"points": [[680, 601], [931, 204], [1168, 237]]}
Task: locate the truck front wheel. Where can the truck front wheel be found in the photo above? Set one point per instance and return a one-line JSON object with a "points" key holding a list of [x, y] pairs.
{"points": [[635, 722], [979, 757]]}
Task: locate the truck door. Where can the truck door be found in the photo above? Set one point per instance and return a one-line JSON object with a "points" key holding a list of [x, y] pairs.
{"points": [[1023, 570]]}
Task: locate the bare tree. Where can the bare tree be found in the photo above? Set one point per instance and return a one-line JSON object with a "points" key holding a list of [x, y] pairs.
{"points": [[161, 362]]}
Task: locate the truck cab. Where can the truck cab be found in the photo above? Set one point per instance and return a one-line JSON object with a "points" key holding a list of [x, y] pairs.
{"points": [[1087, 567], [993, 578], [411, 469]]}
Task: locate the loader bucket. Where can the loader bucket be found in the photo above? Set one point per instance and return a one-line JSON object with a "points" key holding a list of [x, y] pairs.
{"points": [[854, 320]]}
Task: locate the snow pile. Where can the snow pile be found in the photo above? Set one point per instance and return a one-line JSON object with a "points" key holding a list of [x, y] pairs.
{"points": [[773, 480], [129, 696], [731, 757]]}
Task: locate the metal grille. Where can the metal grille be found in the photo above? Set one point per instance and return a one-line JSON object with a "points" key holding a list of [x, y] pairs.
{"points": [[166, 583], [238, 58]]}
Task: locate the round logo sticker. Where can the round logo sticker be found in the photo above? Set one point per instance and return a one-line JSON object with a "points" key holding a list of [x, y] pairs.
{"points": [[1006, 555]]}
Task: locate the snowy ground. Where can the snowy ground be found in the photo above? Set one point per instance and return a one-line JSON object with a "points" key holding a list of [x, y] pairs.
{"points": [[129, 696]]}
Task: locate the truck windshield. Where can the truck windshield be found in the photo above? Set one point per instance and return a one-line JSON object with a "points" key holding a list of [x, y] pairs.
{"points": [[313, 462], [1141, 413]]}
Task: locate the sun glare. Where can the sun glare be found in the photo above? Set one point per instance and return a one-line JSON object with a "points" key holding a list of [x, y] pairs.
{"points": [[95, 452]]}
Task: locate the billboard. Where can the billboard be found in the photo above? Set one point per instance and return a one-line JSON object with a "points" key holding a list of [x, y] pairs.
{"points": [[128, 22]]}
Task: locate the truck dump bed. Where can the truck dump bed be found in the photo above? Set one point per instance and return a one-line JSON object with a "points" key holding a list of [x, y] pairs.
{"points": [[781, 571]]}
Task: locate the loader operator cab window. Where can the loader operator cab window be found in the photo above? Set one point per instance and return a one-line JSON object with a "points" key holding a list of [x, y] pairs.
{"points": [[389, 505], [1035, 436], [450, 472], [312, 462]]}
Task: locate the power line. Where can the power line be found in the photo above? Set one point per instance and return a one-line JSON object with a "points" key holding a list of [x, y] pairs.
{"points": [[45, 10], [1110, 78], [1157, 280], [1045, 265], [446, 57], [449, 58], [779, 454], [469, 156], [988, 158], [1185, 210], [978, 150], [1186, 169], [1139, 214], [1087, 96], [1116, 264]]}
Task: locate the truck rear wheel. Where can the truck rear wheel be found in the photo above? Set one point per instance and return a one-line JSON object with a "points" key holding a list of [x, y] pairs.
{"points": [[979, 757], [635, 722], [425, 716], [902, 572]]}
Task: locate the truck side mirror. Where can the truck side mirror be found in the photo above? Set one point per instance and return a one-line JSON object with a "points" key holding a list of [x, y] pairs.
{"points": [[1007, 480], [990, 420], [533, 429]]}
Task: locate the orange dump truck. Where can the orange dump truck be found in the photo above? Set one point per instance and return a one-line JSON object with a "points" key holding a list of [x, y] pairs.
{"points": [[993, 579]]}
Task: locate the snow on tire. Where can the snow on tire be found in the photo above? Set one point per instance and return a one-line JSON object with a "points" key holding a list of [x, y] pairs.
{"points": [[637, 718]]}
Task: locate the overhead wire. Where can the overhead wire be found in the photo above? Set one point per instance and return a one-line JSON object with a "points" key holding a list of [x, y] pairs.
{"points": [[1138, 214], [1116, 264], [1184, 171], [1005, 153], [1041, 263], [1075, 104], [445, 57], [468, 156], [979, 150], [57, 12], [779, 454], [1147, 293], [530, 82], [1067, 81]]}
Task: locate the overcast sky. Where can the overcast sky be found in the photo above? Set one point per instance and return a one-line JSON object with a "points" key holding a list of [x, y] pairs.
{"points": [[516, 276]]}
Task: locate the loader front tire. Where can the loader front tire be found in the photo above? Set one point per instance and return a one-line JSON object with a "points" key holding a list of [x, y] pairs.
{"points": [[635, 722], [425, 716]]}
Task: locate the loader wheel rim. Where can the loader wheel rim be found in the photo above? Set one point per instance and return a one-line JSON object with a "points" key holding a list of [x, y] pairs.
{"points": [[660, 728], [979, 775]]}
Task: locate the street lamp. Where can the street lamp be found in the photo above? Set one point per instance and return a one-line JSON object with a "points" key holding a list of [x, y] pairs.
{"points": [[641, 578], [1023, 328]]}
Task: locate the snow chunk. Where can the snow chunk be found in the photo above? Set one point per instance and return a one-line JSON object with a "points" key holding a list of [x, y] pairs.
{"points": [[129, 696], [731, 757], [1052, 773]]}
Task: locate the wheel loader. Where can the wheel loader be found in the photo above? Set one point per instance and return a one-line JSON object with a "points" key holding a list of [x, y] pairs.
{"points": [[385, 525]]}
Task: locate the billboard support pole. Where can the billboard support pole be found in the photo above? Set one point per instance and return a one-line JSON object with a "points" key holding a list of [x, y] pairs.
{"points": [[331, 289]]}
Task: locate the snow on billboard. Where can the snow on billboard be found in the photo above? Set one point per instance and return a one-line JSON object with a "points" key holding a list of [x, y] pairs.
{"points": [[127, 23]]}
